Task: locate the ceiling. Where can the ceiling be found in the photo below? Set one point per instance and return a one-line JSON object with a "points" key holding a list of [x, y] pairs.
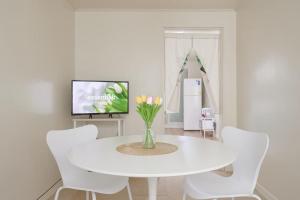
{"points": [[154, 4]]}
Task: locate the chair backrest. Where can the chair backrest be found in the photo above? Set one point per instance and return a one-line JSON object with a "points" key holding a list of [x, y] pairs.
{"points": [[252, 148], [61, 142]]}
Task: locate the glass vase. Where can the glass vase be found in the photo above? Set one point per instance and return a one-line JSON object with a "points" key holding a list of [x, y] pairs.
{"points": [[149, 139]]}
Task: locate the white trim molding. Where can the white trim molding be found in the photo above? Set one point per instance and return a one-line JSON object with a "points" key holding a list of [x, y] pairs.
{"points": [[153, 10], [174, 125], [264, 193], [51, 191]]}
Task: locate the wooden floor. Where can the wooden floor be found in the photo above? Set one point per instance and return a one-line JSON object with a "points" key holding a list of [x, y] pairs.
{"points": [[168, 188]]}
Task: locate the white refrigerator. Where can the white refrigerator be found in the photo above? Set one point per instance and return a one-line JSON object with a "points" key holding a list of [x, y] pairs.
{"points": [[192, 104]]}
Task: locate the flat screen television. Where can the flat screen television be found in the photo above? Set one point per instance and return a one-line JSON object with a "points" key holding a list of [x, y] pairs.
{"points": [[100, 97]]}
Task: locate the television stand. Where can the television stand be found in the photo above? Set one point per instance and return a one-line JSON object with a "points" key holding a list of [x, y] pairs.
{"points": [[120, 123]]}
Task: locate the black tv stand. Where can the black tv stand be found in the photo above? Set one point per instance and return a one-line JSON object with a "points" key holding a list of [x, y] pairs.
{"points": [[109, 116]]}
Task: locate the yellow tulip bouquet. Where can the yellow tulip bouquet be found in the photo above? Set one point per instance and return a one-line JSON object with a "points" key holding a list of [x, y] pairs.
{"points": [[148, 108]]}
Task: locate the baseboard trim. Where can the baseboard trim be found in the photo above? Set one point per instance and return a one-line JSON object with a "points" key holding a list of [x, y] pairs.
{"points": [[51, 191], [264, 193], [174, 125]]}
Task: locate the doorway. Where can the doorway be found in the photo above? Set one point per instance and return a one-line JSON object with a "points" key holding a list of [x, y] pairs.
{"points": [[206, 43]]}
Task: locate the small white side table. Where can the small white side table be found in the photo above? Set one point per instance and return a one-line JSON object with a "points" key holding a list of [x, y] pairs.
{"points": [[120, 123], [208, 126]]}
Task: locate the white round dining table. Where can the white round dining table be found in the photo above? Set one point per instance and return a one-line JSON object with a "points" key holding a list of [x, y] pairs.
{"points": [[193, 156]]}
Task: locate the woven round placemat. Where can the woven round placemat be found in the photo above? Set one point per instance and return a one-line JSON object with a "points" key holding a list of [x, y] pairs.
{"points": [[138, 150]]}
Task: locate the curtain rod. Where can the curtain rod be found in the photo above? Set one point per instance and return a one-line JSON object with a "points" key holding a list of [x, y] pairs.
{"points": [[212, 37], [214, 32]]}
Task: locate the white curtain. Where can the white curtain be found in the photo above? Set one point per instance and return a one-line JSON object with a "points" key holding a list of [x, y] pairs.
{"points": [[176, 51], [207, 50]]}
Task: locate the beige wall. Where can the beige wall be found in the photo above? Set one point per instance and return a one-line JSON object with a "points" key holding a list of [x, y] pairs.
{"points": [[154, 4], [268, 87], [36, 65], [129, 45]]}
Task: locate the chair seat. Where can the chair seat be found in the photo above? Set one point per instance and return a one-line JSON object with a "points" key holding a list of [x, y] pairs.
{"points": [[95, 182], [211, 185]]}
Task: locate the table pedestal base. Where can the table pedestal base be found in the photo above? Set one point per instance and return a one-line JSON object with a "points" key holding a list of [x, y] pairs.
{"points": [[152, 188]]}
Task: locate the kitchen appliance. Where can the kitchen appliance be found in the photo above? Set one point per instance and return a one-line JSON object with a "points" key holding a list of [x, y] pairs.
{"points": [[192, 102]]}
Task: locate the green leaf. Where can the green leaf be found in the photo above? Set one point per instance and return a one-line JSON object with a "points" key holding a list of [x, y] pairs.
{"points": [[124, 90], [148, 112], [112, 92], [118, 105], [96, 108]]}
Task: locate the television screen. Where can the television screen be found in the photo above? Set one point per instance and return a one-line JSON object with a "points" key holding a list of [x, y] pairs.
{"points": [[99, 97]]}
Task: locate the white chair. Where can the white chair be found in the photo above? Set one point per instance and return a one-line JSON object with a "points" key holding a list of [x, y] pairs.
{"points": [[60, 143], [251, 148]]}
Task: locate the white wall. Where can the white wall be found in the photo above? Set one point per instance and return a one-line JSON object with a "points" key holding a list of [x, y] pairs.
{"points": [[129, 45], [268, 87], [36, 66]]}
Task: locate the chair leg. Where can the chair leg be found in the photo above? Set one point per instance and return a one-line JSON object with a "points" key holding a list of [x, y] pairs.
{"points": [[94, 196], [129, 192], [87, 195], [256, 197], [57, 193], [184, 196]]}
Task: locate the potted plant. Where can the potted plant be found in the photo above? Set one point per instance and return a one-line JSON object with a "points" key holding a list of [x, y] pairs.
{"points": [[148, 107]]}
